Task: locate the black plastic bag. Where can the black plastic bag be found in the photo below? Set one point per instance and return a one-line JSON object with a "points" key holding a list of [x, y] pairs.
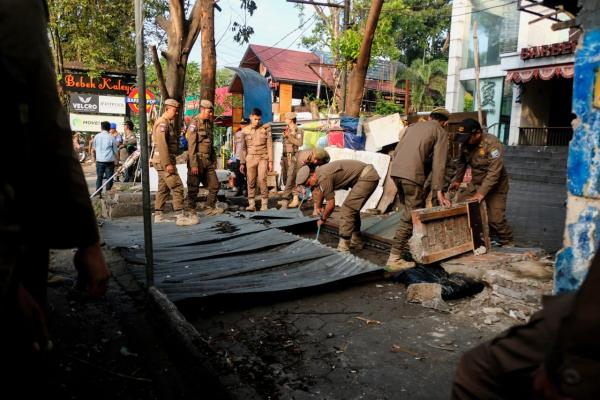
{"points": [[454, 286]]}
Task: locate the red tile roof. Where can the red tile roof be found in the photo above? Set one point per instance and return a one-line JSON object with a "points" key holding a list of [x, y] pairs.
{"points": [[283, 64]]}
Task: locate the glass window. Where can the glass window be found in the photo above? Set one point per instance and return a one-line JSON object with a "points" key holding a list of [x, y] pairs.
{"points": [[498, 29], [496, 101]]}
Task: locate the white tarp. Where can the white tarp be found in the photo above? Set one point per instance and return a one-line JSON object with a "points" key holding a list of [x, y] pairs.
{"points": [[383, 131], [381, 162]]}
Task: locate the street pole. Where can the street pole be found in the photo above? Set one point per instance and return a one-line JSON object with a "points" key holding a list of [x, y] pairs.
{"points": [[141, 84], [477, 82], [345, 81]]}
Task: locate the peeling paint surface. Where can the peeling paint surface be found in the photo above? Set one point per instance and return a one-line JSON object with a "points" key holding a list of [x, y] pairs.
{"points": [[582, 228], [584, 153]]}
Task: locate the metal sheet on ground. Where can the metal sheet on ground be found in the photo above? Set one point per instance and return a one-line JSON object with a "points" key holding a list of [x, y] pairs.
{"points": [[202, 261]]}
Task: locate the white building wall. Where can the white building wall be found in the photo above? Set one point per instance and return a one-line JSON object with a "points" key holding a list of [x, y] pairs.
{"points": [[536, 34]]}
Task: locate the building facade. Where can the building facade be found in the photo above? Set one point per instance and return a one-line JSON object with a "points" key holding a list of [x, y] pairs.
{"points": [[526, 72]]}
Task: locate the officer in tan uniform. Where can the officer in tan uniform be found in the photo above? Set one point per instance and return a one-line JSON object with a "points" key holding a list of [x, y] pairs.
{"points": [[484, 154], [293, 137], [257, 158], [423, 141], [201, 162], [166, 146], [311, 157], [343, 174]]}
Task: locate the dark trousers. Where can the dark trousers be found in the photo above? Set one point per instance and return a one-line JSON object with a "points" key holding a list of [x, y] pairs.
{"points": [[240, 179], [130, 173], [104, 170]]}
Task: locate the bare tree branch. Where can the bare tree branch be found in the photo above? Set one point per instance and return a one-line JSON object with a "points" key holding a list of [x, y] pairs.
{"points": [[194, 24], [177, 17], [162, 22], [159, 73]]}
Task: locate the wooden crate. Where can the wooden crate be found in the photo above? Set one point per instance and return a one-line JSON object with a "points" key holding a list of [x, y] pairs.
{"points": [[443, 232]]}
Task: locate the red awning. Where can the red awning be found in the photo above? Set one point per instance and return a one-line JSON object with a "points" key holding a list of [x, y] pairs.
{"points": [[546, 73]]}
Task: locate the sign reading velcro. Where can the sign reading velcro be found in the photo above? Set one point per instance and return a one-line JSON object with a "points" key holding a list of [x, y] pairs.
{"points": [[91, 122], [84, 103], [112, 105]]}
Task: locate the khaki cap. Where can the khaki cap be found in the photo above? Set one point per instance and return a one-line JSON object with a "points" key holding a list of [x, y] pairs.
{"points": [[321, 155], [302, 175], [206, 104], [441, 111], [290, 115], [172, 103]]}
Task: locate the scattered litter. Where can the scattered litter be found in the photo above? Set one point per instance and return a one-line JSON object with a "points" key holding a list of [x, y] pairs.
{"points": [[125, 351], [399, 349], [440, 347], [369, 321], [378, 286], [428, 295], [454, 286], [330, 335], [491, 319], [480, 250]]}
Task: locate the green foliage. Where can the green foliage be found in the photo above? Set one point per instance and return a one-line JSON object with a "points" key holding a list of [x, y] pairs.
{"points": [[469, 105], [427, 82], [241, 29], [97, 33], [192, 78], [224, 77], [386, 107]]}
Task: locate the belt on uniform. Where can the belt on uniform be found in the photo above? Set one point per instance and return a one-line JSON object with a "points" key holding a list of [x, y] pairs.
{"points": [[290, 154], [366, 170]]}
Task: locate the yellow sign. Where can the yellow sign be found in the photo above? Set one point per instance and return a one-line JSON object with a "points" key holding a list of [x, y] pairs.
{"points": [[597, 90]]}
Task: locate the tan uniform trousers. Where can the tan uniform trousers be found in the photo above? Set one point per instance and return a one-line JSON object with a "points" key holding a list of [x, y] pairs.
{"points": [[257, 166], [289, 169], [496, 209], [502, 368], [208, 177], [411, 198], [358, 196], [168, 183]]}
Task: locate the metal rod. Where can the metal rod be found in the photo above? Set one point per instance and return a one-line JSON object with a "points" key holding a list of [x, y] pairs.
{"points": [[141, 82], [477, 81], [315, 3], [345, 81]]}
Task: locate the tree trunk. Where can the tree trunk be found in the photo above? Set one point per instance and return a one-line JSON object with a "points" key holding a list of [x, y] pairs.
{"points": [[209, 53], [356, 82], [181, 35]]}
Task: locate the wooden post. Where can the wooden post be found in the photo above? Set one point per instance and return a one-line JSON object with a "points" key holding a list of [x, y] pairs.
{"points": [[477, 83]]}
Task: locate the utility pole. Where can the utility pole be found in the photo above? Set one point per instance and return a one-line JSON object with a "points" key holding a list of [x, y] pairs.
{"points": [[345, 81], [141, 84], [477, 81]]}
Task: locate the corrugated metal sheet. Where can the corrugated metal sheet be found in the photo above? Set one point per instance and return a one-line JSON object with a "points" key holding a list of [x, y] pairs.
{"points": [[256, 93], [225, 254]]}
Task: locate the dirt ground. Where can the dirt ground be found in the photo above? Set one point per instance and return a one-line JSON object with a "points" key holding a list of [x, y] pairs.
{"points": [[350, 340]]}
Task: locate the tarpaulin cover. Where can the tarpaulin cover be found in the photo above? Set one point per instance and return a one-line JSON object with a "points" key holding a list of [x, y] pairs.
{"points": [[257, 93], [351, 139], [225, 254]]}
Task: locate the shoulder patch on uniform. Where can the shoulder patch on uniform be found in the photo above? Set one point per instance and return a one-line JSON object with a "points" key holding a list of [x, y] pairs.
{"points": [[163, 127], [494, 153], [298, 136], [192, 127]]}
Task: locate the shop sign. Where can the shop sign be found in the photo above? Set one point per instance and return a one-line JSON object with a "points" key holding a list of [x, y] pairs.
{"points": [[84, 103], [103, 85], [133, 100], [112, 105], [548, 50], [91, 122]]}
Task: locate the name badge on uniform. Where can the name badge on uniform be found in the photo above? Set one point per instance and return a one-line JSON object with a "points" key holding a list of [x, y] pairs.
{"points": [[495, 153], [192, 128], [482, 152]]}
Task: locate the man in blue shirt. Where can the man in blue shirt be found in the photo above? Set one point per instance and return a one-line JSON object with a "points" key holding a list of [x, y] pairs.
{"points": [[105, 149]]}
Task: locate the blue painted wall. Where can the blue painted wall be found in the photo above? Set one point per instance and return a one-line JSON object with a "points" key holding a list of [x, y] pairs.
{"points": [[582, 233]]}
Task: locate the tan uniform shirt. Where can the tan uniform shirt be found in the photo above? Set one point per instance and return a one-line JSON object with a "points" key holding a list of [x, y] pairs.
{"points": [[304, 157], [200, 141], [487, 165], [239, 140], [337, 175], [294, 139], [166, 142], [257, 141], [417, 145]]}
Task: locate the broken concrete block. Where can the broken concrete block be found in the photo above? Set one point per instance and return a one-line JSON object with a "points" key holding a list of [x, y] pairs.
{"points": [[427, 294], [511, 283]]}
